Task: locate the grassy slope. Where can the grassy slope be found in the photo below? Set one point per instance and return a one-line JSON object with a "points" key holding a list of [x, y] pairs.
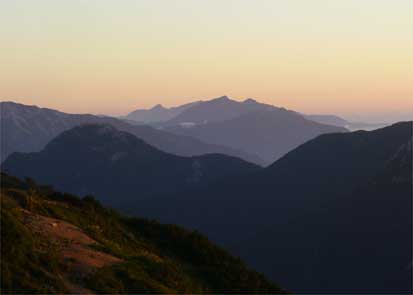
{"points": [[155, 258]]}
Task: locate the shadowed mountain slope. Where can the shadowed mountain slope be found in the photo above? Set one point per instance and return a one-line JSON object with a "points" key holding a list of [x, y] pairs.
{"points": [[112, 164], [333, 215], [57, 243]]}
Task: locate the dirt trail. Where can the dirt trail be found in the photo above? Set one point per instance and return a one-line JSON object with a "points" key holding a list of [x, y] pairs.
{"points": [[72, 244]]}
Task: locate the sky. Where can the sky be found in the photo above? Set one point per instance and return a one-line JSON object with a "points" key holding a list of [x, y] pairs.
{"points": [[352, 58]]}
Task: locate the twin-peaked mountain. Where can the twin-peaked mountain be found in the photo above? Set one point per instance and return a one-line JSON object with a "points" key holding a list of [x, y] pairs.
{"points": [[224, 108], [260, 129], [29, 128], [257, 128], [216, 110], [112, 164], [197, 112], [268, 133]]}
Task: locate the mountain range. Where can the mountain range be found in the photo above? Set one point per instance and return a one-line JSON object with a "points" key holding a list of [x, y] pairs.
{"points": [[158, 113], [333, 215], [258, 133], [256, 128], [263, 130], [203, 111], [328, 202], [330, 212], [29, 128], [117, 166], [216, 110]]}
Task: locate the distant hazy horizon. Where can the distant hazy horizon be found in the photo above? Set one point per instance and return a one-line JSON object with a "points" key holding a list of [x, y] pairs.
{"points": [[357, 117], [348, 58]]}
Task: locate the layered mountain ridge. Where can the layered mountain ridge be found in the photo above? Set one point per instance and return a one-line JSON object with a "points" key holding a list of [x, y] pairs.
{"points": [[29, 128], [103, 161], [269, 133], [321, 205], [331, 214], [158, 113]]}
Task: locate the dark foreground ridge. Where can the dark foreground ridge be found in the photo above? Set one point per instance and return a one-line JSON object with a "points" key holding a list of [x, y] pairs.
{"points": [[55, 242]]}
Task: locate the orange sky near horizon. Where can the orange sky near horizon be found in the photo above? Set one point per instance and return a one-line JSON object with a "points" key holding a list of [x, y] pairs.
{"points": [[352, 58]]}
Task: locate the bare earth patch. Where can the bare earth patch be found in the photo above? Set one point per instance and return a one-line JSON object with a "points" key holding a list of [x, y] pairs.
{"points": [[72, 244]]}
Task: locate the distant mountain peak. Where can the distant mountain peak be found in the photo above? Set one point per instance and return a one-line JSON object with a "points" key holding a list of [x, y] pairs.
{"points": [[221, 98], [158, 113], [95, 135], [158, 107], [250, 101]]}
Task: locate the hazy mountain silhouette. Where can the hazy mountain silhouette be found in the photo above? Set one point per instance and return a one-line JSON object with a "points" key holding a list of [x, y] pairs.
{"points": [[333, 215], [223, 108], [216, 110], [158, 113], [340, 122], [259, 129], [328, 120], [29, 128], [112, 164], [269, 133]]}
